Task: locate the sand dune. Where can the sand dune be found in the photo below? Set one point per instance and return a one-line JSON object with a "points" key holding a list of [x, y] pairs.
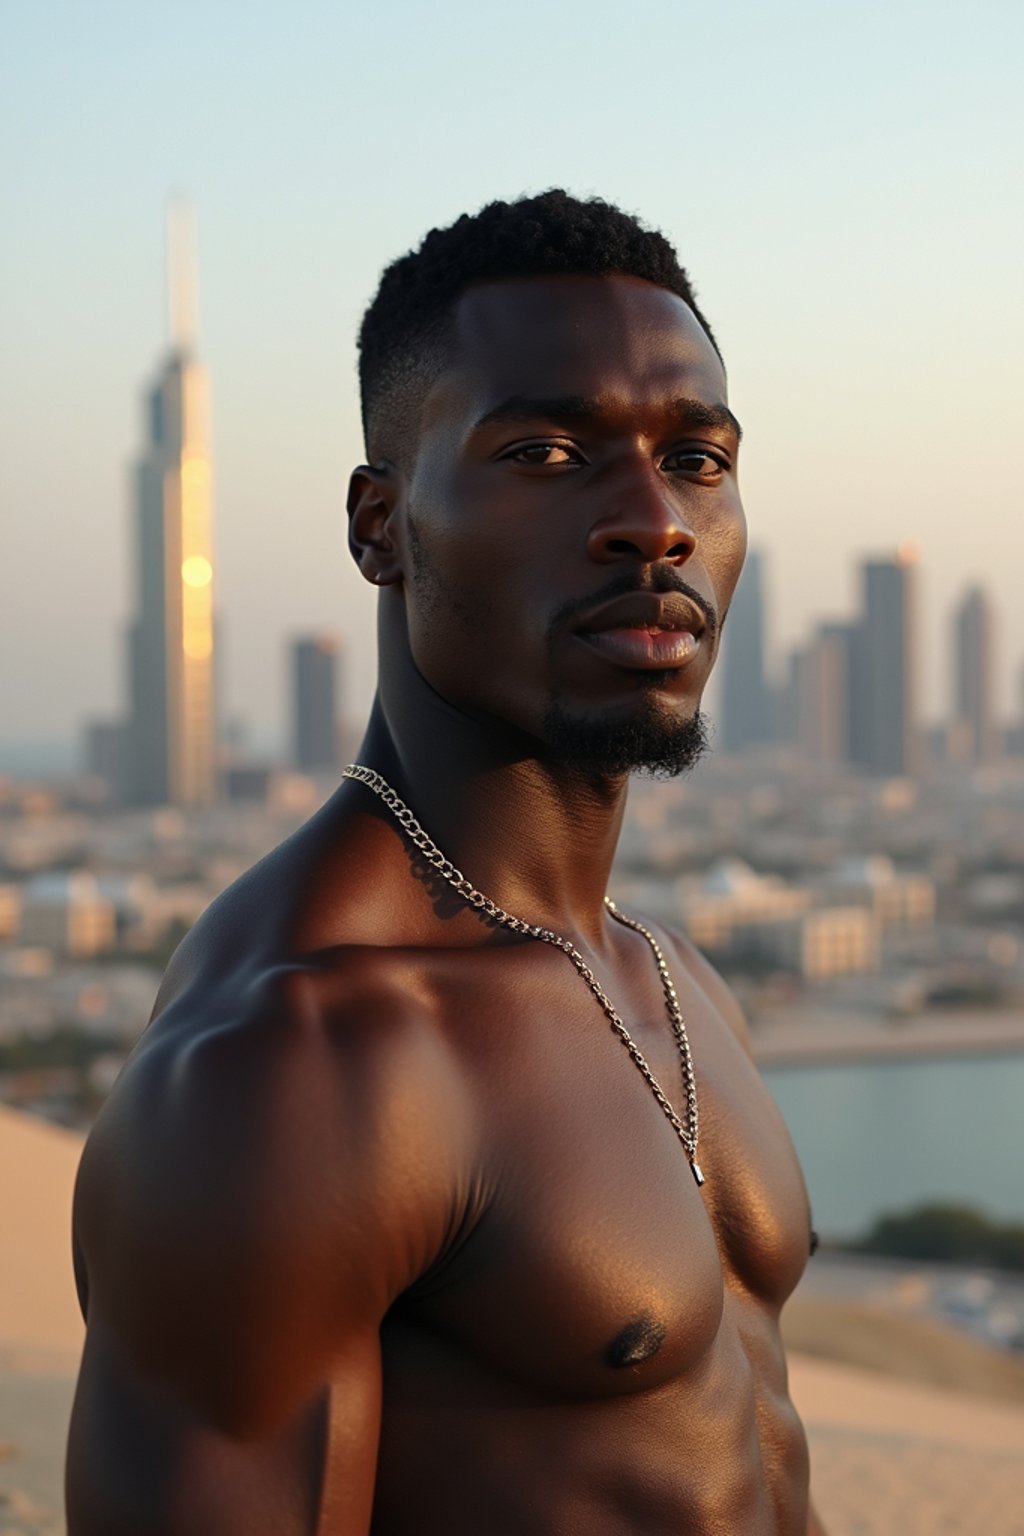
{"points": [[892, 1458], [874, 1337], [39, 1314]]}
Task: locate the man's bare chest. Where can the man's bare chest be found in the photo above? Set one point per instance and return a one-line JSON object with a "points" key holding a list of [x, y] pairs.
{"points": [[586, 1253]]}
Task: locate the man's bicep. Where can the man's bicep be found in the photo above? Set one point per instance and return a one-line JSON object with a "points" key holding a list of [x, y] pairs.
{"points": [[144, 1460]]}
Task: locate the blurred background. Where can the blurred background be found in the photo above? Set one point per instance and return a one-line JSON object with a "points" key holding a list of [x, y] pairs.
{"points": [[199, 201]]}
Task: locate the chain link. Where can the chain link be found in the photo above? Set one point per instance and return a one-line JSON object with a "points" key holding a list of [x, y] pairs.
{"points": [[686, 1130]]}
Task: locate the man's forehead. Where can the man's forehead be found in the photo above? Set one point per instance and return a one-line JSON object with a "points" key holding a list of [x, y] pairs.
{"points": [[573, 335]]}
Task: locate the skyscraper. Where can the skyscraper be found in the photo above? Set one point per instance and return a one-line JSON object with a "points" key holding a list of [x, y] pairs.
{"points": [[171, 706], [820, 684], [883, 695], [973, 679], [745, 712], [314, 676]]}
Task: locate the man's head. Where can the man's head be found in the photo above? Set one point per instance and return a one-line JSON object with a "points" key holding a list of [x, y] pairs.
{"points": [[407, 333], [552, 494]]}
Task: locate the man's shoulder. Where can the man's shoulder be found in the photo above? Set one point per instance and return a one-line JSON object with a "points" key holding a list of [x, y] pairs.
{"points": [[284, 1049], [275, 1070], [298, 1149], [307, 903]]}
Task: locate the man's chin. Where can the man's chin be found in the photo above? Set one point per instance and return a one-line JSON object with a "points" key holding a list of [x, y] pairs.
{"points": [[652, 741]]}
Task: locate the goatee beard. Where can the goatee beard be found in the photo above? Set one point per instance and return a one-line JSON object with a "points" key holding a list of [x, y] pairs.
{"points": [[651, 742]]}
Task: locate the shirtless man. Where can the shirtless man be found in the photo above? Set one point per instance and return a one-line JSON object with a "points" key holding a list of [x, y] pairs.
{"points": [[382, 1227]]}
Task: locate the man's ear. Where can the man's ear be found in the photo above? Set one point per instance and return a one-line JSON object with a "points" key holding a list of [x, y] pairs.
{"points": [[373, 496]]}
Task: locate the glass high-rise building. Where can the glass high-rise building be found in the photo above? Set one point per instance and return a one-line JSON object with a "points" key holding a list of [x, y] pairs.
{"points": [[820, 678], [315, 703], [974, 676], [746, 716], [171, 736], [884, 731]]}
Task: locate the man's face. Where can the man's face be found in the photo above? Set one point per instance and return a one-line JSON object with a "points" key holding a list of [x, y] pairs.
{"points": [[572, 519]]}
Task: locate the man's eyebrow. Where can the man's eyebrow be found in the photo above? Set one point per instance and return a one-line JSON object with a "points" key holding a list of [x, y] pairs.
{"points": [[518, 409], [700, 414]]}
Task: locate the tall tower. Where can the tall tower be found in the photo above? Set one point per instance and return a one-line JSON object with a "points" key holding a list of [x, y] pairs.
{"points": [[171, 733], [315, 703], [745, 712], [974, 682], [820, 673], [883, 704]]}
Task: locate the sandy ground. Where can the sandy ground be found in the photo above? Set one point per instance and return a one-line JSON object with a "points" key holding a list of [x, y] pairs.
{"points": [[38, 1162], [34, 1409], [40, 1325], [889, 1457]]}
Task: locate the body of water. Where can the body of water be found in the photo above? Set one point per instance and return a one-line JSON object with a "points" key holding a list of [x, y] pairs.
{"points": [[876, 1137]]}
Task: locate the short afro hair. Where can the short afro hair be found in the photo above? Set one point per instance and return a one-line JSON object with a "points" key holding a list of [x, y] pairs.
{"points": [[405, 337]]}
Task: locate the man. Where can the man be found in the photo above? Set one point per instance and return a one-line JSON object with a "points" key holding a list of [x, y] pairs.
{"points": [[394, 1220]]}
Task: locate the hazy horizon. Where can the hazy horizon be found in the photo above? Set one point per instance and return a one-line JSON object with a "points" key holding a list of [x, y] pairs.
{"points": [[842, 183]]}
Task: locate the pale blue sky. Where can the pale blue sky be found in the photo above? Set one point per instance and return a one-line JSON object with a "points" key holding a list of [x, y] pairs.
{"points": [[843, 181]]}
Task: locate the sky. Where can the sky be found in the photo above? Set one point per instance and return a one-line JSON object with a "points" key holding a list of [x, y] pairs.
{"points": [[843, 182]]}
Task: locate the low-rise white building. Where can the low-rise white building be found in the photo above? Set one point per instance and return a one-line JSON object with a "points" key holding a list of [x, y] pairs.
{"points": [[816, 945], [731, 894], [745, 918], [897, 900], [67, 913]]}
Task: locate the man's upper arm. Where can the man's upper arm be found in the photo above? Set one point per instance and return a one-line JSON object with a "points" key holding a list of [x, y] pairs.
{"points": [[247, 1210], [146, 1461]]}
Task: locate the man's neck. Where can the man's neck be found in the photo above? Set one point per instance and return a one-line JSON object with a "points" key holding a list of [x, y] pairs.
{"points": [[534, 834]]}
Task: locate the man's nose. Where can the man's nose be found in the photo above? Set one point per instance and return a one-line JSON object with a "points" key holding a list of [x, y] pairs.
{"points": [[642, 522]]}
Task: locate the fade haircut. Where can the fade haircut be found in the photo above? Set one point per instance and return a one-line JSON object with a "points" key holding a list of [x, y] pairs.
{"points": [[406, 336]]}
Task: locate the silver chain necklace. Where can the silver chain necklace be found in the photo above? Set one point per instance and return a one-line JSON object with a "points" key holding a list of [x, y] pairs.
{"points": [[686, 1131]]}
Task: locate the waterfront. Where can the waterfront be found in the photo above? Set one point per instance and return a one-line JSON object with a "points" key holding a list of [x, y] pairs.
{"points": [[876, 1137]]}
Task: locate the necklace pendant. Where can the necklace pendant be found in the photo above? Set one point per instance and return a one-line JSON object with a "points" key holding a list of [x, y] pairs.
{"points": [[698, 1176]]}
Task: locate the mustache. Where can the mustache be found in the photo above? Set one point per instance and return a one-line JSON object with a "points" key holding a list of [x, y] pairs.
{"points": [[625, 584]]}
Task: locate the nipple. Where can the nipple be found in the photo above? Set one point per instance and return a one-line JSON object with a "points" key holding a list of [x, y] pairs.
{"points": [[637, 1342]]}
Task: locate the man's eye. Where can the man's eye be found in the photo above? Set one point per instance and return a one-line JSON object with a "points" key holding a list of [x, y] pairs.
{"points": [[694, 461], [544, 454]]}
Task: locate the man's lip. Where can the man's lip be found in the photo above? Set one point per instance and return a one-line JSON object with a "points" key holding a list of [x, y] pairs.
{"points": [[644, 649], [651, 611]]}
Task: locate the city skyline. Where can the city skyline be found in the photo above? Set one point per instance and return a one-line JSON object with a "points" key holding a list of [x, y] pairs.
{"points": [[849, 693], [871, 320], [837, 692]]}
